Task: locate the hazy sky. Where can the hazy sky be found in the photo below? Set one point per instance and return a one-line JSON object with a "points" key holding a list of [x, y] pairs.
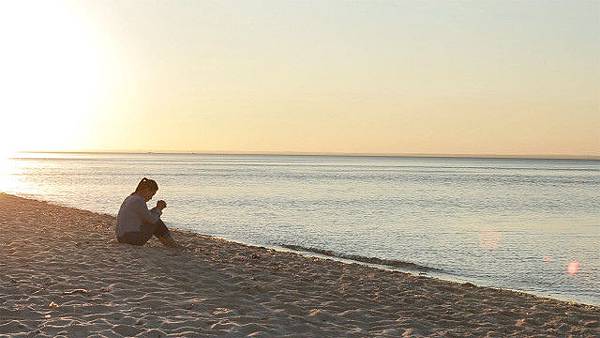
{"points": [[444, 77]]}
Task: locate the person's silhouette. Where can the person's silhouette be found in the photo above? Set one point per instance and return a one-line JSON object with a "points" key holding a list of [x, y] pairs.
{"points": [[136, 224]]}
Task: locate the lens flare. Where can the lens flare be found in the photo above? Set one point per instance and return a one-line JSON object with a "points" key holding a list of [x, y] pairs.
{"points": [[573, 268], [490, 239]]}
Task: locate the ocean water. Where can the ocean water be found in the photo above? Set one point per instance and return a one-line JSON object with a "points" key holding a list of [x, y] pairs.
{"points": [[523, 224]]}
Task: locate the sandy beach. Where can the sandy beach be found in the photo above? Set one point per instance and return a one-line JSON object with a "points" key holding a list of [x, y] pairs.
{"points": [[63, 274]]}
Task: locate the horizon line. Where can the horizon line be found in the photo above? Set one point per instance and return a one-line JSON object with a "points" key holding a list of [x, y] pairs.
{"points": [[333, 154]]}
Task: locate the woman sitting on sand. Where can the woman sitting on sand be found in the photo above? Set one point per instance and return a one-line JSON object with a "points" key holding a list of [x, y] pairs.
{"points": [[136, 224]]}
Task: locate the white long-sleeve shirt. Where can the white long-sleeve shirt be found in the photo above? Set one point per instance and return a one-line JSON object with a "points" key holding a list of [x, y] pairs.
{"points": [[133, 213]]}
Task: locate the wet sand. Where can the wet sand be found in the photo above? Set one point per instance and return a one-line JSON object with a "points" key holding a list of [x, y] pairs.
{"points": [[64, 274]]}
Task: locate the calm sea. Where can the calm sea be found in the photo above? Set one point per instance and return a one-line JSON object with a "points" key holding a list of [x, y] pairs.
{"points": [[530, 225]]}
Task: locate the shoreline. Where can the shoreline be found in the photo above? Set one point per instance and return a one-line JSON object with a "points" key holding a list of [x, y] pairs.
{"points": [[403, 267], [416, 270], [66, 275], [373, 262]]}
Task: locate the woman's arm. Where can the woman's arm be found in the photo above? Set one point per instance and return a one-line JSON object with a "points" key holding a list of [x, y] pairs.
{"points": [[147, 216]]}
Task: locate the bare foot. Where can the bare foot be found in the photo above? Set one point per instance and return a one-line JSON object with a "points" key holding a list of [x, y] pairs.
{"points": [[168, 241]]}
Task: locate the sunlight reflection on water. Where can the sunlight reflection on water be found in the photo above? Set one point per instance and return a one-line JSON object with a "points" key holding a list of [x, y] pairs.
{"points": [[9, 181]]}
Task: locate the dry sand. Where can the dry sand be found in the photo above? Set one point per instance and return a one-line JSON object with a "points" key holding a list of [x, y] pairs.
{"points": [[64, 274]]}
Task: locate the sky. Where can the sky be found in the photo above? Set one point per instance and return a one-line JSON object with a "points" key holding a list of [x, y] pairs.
{"points": [[381, 77]]}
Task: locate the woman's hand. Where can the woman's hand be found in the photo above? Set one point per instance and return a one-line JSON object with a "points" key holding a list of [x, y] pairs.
{"points": [[161, 204]]}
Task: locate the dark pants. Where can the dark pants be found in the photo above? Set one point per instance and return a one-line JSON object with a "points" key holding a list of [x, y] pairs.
{"points": [[157, 229]]}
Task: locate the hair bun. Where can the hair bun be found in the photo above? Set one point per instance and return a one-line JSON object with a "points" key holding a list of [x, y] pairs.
{"points": [[146, 183]]}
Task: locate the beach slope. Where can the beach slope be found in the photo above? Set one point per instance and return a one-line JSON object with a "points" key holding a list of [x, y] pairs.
{"points": [[64, 274]]}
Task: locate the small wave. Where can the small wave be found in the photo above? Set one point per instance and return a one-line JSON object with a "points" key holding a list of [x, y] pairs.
{"points": [[370, 260]]}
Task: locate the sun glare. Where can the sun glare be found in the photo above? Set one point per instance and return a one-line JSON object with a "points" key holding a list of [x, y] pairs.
{"points": [[53, 75], [6, 172]]}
